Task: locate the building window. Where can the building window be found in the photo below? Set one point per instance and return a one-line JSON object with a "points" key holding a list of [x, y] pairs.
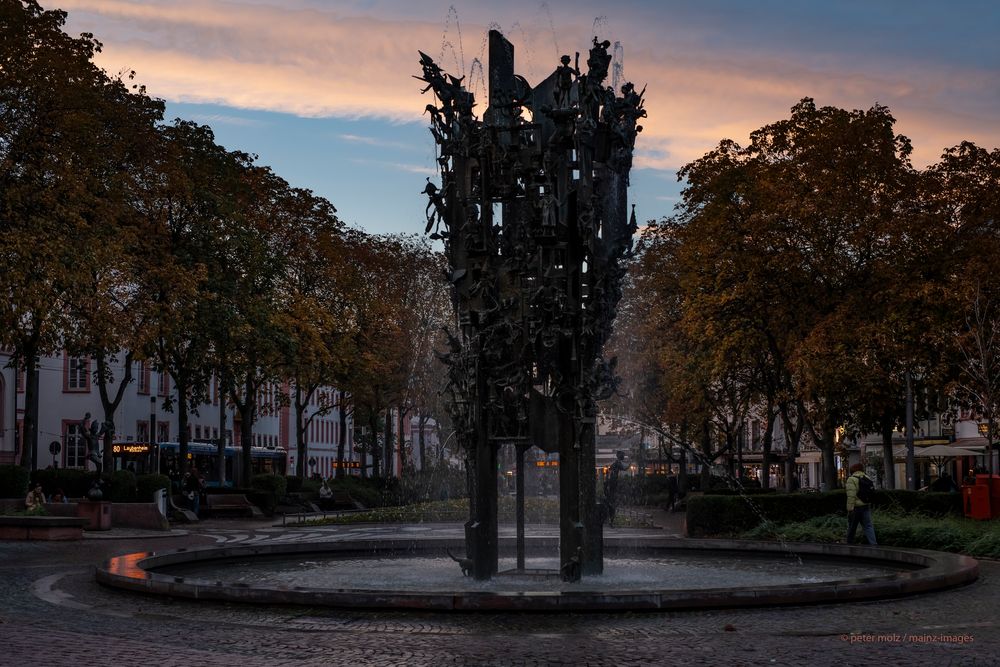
{"points": [[142, 431], [76, 446], [163, 383], [19, 382], [162, 431], [142, 370], [76, 373], [197, 432]]}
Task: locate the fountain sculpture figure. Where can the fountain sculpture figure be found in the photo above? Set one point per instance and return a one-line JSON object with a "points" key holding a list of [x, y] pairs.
{"points": [[533, 215]]}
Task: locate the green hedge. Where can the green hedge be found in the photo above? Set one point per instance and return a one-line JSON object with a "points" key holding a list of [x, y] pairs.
{"points": [[307, 488], [748, 491], [14, 481], [369, 492], [146, 486], [720, 514], [120, 487], [74, 483], [268, 490]]}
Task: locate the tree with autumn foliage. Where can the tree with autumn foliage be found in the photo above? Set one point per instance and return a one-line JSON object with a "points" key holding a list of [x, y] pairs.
{"points": [[964, 192], [779, 252], [190, 208], [388, 301], [74, 143], [317, 301]]}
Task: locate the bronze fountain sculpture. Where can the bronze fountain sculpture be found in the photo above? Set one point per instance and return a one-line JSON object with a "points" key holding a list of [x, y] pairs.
{"points": [[532, 210]]}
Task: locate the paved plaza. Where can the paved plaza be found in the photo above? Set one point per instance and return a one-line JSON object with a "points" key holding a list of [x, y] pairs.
{"points": [[53, 613]]}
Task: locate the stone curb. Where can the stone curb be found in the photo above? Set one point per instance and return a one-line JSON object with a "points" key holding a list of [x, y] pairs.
{"points": [[924, 571], [149, 535]]}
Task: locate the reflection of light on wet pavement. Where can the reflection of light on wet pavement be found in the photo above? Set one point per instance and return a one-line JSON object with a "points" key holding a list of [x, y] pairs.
{"points": [[128, 565]]}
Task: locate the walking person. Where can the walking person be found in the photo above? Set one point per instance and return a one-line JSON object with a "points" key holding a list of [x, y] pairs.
{"points": [[192, 485], [611, 485], [860, 490], [672, 492]]}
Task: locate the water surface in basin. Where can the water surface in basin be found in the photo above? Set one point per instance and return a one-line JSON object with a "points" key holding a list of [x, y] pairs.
{"points": [[661, 572]]}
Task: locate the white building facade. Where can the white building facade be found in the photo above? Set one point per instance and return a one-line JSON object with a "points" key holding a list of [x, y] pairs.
{"points": [[67, 393]]}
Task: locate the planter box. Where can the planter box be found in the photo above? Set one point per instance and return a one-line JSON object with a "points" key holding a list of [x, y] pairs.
{"points": [[97, 513], [138, 515], [41, 528]]}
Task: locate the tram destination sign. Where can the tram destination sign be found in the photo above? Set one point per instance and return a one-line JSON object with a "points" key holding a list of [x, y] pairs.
{"points": [[131, 448]]}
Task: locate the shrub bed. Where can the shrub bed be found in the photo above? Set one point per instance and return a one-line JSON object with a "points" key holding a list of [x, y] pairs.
{"points": [[146, 486], [368, 492], [268, 489], [74, 483], [14, 481], [121, 487], [721, 514], [979, 539]]}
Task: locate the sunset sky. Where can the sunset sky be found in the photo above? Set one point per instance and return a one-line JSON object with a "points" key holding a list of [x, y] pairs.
{"points": [[322, 91]]}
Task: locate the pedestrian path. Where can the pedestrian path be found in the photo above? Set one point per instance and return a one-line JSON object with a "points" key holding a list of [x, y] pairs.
{"points": [[53, 613]]}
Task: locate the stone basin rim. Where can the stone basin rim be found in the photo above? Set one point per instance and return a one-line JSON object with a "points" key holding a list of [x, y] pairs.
{"points": [[928, 571]]}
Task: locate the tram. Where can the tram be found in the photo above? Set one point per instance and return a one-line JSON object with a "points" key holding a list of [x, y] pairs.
{"points": [[142, 458]]}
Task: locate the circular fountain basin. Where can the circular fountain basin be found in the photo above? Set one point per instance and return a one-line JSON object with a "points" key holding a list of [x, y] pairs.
{"points": [[639, 574]]}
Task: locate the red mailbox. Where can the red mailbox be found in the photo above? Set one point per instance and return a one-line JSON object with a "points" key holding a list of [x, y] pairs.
{"points": [[992, 483], [976, 500]]}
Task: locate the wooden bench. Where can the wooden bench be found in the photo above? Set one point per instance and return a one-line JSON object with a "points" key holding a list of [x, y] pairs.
{"points": [[235, 503]]}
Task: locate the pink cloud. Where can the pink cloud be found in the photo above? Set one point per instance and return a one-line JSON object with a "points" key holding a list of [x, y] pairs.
{"points": [[352, 62]]}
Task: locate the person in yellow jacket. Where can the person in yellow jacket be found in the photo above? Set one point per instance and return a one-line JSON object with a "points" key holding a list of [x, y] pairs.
{"points": [[858, 511]]}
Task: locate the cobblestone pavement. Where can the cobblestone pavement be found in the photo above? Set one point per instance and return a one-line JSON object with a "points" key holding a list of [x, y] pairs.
{"points": [[52, 613]]}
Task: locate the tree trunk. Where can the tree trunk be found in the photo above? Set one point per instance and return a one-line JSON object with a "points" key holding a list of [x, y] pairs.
{"points": [[706, 449], [387, 458], [768, 441], [29, 429], [404, 455], [793, 436], [827, 449], [373, 445], [739, 453], [248, 410], [682, 473], [300, 433], [180, 386], [111, 404], [421, 422], [440, 441], [220, 471], [341, 437]]}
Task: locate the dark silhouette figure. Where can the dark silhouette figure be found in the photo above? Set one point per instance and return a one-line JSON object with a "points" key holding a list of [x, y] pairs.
{"points": [[611, 485]]}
